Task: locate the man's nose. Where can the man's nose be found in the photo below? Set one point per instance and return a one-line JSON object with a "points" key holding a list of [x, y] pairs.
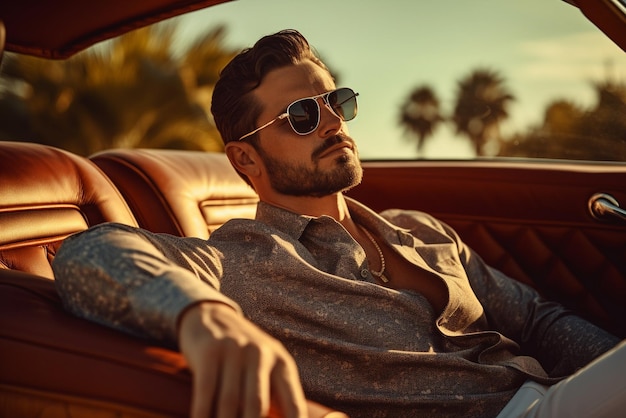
{"points": [[330, 122]]}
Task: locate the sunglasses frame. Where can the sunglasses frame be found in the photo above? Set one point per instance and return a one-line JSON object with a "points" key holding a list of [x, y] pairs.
{"points": [[324, 96]]}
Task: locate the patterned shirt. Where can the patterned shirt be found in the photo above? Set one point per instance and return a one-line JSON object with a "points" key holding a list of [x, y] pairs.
{"points": [[361, 348]]}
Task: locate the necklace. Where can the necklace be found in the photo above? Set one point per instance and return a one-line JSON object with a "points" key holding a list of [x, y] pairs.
{"points": [[379, 274]]}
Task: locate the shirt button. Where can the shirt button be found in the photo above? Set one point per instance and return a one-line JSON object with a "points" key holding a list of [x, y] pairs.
{"points": [[365, 273]]}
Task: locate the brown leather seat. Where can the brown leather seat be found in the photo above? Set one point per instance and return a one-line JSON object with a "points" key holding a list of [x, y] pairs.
{"points": [[185, 193], [47, 194], [54, 364]]}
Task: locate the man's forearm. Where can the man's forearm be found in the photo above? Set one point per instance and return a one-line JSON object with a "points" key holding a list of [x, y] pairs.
{"points": [[560, 340], [571, 343], [121, 277]]}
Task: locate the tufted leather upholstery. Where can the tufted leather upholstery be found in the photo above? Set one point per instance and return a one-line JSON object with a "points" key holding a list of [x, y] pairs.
{"points": [[185, 193], [529, 220], [47, 194]]}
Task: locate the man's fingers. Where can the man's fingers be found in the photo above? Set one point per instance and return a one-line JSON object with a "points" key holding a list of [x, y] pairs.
{"points": [[203, 393], [237, 367], [229, 392], [256, 382], [286, 393]]}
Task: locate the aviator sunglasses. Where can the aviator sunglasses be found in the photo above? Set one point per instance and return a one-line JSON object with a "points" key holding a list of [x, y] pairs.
{"points": [[304, 114]]}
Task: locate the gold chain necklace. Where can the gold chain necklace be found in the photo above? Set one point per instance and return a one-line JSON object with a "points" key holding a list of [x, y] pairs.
{"points": [[379, 274]]}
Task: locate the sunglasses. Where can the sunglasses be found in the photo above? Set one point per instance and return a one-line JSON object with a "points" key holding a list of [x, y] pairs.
{"points": [[304, 114]]}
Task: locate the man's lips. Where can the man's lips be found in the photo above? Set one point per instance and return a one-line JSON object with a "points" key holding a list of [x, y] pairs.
{"points": [[336, 147]]}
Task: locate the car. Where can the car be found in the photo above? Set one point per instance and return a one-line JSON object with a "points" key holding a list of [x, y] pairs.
{"points": [[554, 223]]}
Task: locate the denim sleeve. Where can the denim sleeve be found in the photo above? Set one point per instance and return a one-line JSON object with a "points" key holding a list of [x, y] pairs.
{"points": [[136, 281]]}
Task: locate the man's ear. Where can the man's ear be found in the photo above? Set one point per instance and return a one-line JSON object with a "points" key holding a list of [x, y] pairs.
{"points": [[244, 158]]}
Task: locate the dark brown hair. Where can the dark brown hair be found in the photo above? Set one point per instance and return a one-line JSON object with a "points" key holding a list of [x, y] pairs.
{"points": [[233, 106]]}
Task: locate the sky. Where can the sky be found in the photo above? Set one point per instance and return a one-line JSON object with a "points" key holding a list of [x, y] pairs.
{"points": [[544, 49]]}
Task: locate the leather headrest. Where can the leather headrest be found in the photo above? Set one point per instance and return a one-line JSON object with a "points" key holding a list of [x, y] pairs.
{"points": [[34, 175], [47, 194], [187, 193]]}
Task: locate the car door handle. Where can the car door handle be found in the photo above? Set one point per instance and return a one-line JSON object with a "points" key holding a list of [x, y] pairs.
{"points": [[604, 207]]}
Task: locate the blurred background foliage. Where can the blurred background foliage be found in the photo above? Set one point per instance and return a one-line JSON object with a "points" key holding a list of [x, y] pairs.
{"points": [[136, 93], [133, 93], [566, 132]]}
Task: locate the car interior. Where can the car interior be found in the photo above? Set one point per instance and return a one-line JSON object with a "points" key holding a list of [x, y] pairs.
{"points": [[556, 226]]}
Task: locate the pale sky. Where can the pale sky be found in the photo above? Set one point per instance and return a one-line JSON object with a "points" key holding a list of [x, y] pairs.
{"points": [[545, 50]]}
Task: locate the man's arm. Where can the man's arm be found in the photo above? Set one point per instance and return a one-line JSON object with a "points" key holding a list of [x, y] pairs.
{"points": [[166, 288], [562, 341], [135, 281]]}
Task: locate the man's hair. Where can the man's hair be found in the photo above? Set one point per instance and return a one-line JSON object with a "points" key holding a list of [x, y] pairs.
{"points": [[234, 108]]}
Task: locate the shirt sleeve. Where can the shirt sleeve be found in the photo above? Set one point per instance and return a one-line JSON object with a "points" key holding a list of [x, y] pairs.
{"points": [[136, 281], [562, 341]]}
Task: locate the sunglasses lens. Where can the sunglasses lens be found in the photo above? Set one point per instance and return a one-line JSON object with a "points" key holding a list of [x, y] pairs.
{"points": [[304, 115], [343, 102]]}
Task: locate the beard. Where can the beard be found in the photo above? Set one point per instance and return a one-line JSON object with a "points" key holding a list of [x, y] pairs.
{"points": [[311, 180]]}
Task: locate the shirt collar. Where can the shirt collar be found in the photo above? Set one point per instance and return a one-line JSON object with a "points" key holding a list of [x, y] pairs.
{"points": [[284, 220], [294, 224]]}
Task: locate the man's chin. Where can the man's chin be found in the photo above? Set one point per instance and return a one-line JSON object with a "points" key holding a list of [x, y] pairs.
{"points": [[353, 180]]}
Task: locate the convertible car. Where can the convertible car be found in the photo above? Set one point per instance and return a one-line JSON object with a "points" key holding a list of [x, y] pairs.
{"points": [[554, 224]]}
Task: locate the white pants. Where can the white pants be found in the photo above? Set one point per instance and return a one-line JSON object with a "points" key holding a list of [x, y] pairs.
{"points": [[597, 390]]}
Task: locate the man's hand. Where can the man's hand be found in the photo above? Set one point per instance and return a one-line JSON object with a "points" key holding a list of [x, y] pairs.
{"points": [[236, 367]]}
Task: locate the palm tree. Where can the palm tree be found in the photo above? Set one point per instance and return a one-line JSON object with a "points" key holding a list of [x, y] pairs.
{"points": [[132, 92], [480, 107], [420, 114]]}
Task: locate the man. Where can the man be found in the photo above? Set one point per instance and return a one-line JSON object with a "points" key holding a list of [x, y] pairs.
{"points": [[384, 315]]}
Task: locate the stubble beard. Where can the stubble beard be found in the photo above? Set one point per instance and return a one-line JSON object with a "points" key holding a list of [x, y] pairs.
{"points": [[311, 180]]}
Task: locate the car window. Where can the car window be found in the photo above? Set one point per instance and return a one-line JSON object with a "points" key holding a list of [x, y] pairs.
{"points": [[449, 79]]}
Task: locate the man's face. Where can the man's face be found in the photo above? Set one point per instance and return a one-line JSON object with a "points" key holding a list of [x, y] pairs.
{"points": [[317, 164]]}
